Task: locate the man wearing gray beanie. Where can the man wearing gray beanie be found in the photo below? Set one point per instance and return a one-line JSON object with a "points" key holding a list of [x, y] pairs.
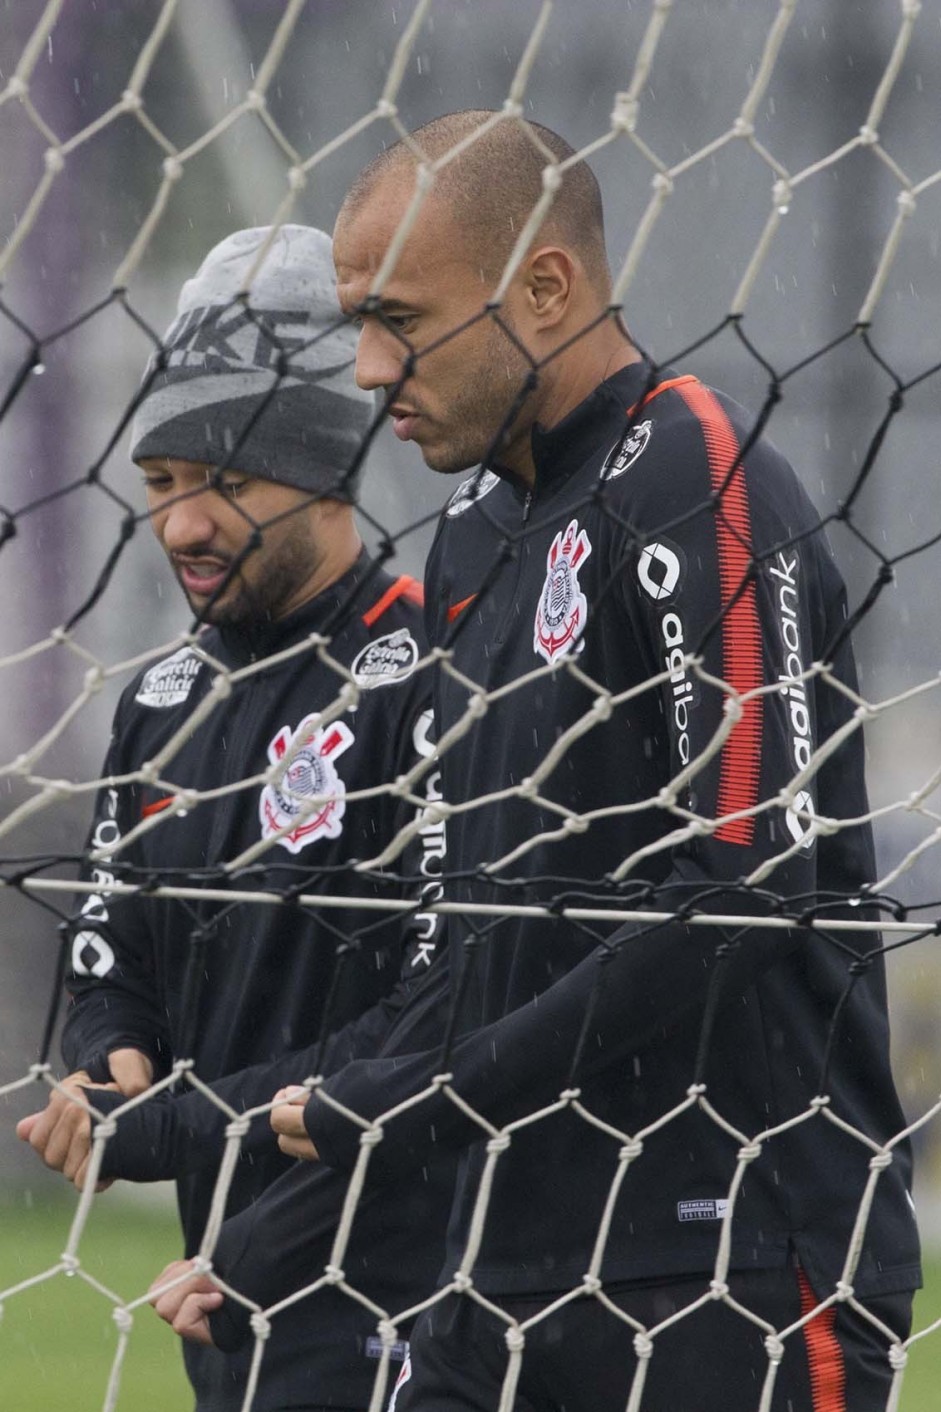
{"points": [[249, 431]]}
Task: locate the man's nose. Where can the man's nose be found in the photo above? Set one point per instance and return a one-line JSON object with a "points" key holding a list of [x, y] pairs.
{"points": [[380, 357], [188, 523]]}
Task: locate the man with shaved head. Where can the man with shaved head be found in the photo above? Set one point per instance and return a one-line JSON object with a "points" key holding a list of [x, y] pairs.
{"points": [[666, 1127]]}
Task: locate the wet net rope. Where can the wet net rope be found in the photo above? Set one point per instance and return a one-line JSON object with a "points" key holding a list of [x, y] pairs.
{"points": [[234, 881]]}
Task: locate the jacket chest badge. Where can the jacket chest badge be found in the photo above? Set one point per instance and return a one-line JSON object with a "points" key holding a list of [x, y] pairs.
{"points": [[562, 609], [305, 800], [624, 453]]}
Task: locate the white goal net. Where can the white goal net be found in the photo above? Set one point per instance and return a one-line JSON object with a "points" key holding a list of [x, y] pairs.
{"points": [[771, 184]]}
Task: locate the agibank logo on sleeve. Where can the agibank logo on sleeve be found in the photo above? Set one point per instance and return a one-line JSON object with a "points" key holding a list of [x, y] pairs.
{"points": [[563, 608], [307, 797]]}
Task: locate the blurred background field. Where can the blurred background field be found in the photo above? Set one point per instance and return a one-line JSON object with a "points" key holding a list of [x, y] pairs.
{"points": [[125, 1245], [55, 1341]]}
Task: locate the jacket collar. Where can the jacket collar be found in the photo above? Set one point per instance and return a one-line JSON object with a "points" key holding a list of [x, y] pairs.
{"points": [[559, 451]]}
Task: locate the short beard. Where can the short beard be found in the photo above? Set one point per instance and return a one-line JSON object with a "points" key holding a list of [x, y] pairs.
{"points": [[496, 403], [244, 604]]}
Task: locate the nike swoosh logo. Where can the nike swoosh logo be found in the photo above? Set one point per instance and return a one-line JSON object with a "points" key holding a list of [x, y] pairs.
{"points": [[457, 608]]}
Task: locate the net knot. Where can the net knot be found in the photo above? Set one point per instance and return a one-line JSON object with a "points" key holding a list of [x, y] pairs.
{"points": [[498, 1144], [718, 1289], [38, 1071], [172, 168], [17, 87], [823, 1101], [774, 1348], [441, 1080], [477, 705], [643, 1346], [297, 178], [515, 1340], [602, 707], [551, 178], [749, 1152], [124, 1320], [591, 1284], [624, 113], [385, 109], [131, 102], [106, 1128], [781, 196], [238, 1126], [255, 101], [462, 1282], [881, 1161], [71, 1263], [334, 1275], [631, 1151], [371, 1137], [906, 203], [663, 183], [94, 678], [53, 159], [911, 8], [387, 1332], [695, 1090], [202, 1265], [260, 1325], [575, 825], [868, 135], [743, 128], [843, 1291], [512, 107], [898, 1357]]}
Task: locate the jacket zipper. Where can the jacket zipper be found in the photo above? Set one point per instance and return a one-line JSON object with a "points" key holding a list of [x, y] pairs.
{"points": [[513, 608]]}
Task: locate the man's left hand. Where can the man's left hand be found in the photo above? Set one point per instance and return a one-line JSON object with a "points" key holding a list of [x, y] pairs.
{"points": [[187, 1306], [287, 1119]]}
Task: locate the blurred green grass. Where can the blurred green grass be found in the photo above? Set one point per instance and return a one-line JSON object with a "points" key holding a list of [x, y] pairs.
{"points": [[57, 1339]]}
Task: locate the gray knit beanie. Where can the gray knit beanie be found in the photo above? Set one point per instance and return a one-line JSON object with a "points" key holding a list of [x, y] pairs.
{"points": [[213, 400]]}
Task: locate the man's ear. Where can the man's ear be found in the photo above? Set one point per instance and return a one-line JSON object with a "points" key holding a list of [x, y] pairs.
{"points": [[550, 278]]}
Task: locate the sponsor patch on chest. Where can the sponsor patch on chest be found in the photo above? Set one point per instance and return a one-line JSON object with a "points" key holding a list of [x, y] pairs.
{"points": [[306, 799], [562, 609], [388, 660], [168, 683]]}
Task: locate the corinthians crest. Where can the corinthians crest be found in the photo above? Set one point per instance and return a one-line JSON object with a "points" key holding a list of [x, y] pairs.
{"points": [[562, 608], [308, 790]]}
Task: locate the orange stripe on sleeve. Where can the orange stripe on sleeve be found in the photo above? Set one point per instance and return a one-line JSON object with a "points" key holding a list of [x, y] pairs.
{"points": [[824, 1354], [741, 631], [404, 587]]}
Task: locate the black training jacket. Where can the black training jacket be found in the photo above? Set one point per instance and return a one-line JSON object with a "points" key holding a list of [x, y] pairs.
{"points": [[612, 770], [257, 994]]}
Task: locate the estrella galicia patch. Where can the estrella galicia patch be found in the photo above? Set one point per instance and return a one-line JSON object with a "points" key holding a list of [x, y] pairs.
{"points": [[624, 453], [562, 610], [471, 490], [307, 797], [169, 682], [385, 661]]}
